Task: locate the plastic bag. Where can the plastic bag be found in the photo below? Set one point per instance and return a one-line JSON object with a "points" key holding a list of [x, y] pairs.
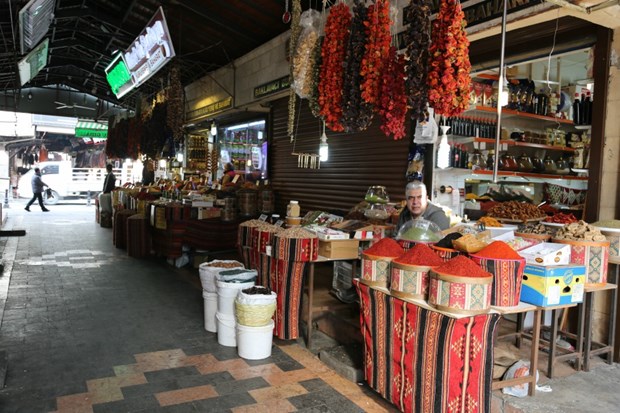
{"points": [[415, 165], [303, 63], [519, 369], [427, 131]]}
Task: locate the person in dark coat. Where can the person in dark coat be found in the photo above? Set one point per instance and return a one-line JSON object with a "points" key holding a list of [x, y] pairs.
{"points": [[110, 180], [37, 190], [419, 207]]}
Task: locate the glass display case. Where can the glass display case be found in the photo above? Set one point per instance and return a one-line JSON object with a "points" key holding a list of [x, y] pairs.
{"points": [[244, 146]]}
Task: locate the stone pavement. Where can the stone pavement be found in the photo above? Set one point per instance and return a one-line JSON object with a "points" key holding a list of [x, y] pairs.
{"points": [[88, 329]]}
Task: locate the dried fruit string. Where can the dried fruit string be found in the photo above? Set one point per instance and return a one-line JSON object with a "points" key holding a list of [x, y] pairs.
{"points": [[292, 97], [417, 37]]}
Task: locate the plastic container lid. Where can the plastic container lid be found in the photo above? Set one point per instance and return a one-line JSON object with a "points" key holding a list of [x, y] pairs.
{"points": [[294, 202]]}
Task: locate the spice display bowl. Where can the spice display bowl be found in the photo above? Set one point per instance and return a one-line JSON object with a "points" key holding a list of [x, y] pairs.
{"points": [[594, 255], [613, 236], [376, 270], [538, 237], [409, 281], [458, 294], [445, 254], [507, 279]]}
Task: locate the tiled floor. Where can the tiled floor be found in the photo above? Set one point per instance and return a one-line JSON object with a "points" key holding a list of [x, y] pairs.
{"points": [[89, 329]]}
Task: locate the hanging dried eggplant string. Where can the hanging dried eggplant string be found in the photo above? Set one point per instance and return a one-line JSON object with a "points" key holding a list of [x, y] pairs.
{"points": [[313, 99], [295, 31], [356, 114], [417, 38]]}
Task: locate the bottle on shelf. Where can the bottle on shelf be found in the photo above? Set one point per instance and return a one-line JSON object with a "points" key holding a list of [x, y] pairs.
{"points": [[587, 109], [577, 110]]}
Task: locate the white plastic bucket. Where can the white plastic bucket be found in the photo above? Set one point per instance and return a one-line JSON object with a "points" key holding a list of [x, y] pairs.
{"points": [[226, 293], [210, 310], [226, 330], [208, 273], [254, 343]]}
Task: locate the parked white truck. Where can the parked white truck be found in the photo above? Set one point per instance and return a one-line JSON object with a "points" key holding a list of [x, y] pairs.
{"points": [[67, 181]]}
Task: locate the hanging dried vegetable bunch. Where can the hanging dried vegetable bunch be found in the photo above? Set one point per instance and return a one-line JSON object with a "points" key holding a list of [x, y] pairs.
{"points": [[174, 98], [417, 38], [377, 48], [313, 98], [295, 32], [332, 69], [356, 114], [392, 105], [303, 62], [134, 135], [448, 78]]}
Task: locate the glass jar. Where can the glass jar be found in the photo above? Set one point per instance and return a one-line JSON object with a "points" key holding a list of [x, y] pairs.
{"points": [[377, 195], [539, 165], [550, 166], [525, 163], [292, 209], [509, 162], [491, 159], [477, 161]]}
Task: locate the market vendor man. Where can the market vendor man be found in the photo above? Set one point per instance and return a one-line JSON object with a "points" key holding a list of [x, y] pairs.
{"points": [[419, 207]]}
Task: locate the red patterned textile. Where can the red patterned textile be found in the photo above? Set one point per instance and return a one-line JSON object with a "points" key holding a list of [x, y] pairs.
{"points": [[264, 271], [507, 279], [424, 361], [287, 283]]}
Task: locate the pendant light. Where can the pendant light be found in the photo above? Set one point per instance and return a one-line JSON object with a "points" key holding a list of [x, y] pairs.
{"points": [[443, 153], [323, 147], [213, 129]]}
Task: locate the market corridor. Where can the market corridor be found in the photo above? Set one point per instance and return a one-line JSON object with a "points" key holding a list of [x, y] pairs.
{"points": [[88, 329]]}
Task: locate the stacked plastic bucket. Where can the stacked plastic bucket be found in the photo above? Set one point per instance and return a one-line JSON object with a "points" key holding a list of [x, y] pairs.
{"points": [[228, 284], [254, 309], [208, 272]]}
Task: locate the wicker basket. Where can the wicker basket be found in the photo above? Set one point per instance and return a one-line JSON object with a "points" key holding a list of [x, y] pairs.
{"points": [[376, 271], [254, 315]]}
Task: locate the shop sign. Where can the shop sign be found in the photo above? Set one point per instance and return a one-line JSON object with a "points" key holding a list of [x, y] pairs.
{"points": [[482, 11], [85, 129], [148, 53], [272, 87], [215, 107], [34, 61]]}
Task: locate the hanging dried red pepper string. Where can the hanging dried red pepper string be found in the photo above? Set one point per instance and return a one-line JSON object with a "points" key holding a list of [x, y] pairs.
{"points": [[448, 77], [463, 267], [333, 53], [377, 48], [420, 254], [392, 105]]}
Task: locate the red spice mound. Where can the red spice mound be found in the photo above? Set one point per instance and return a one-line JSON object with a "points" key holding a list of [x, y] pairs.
{"points": [[385, 247], [500, 250], [420, 254], [462, 266]]}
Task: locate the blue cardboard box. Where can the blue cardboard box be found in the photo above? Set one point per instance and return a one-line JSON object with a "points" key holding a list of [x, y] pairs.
{"points": [[553, 285]]}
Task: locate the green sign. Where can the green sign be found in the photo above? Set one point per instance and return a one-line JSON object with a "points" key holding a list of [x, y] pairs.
{"points": [[85, 129], [117, 74], [272, 87]]}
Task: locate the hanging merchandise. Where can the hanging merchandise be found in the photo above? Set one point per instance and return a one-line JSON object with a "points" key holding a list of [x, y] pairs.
{"points": [[295, 32], [332, 68], [392, 105], [418, 41], [303, 63], [356, 114], [448, 76], [377, 48], [426, 131], [313, 98], [415, 166], [174, 101]]}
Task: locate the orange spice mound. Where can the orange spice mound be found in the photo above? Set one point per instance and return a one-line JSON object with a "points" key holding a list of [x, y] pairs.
{"points": [[500, 250]]}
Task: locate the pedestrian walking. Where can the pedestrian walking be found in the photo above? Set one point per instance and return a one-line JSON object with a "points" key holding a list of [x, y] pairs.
{"points": [[37, 190]]}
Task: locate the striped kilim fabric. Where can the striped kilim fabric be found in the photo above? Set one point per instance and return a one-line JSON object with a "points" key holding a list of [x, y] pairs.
{"points": [[425, 361]]}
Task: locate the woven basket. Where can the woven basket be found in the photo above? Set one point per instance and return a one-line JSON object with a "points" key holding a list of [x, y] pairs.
{"points": [[254, 315]]}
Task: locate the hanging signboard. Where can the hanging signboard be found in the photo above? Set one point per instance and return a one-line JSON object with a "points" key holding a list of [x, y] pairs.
{"points": [[477, 12], [211, 109], [34, 61], [272, 87], [89, 129], [148, 53]]}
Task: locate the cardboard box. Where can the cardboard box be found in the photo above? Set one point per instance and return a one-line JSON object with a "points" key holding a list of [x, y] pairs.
{"points": [[547, 253], [206, 213], [327, 234], [339, 249], [553, 285]]}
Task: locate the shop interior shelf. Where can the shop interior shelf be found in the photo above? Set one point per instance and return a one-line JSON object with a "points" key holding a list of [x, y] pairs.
{"points": [[527, 144], [506, 113], [531, 175]]}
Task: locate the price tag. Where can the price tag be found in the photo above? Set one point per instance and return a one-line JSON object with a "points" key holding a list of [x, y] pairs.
{"points": [[268, 250], [483, 146], [263, 217], [235, 179], [279, 223]]}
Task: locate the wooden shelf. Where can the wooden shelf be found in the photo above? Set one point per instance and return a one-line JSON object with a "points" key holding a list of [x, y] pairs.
{"points": [[527, 144], [531, 175], [526, 115]]}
